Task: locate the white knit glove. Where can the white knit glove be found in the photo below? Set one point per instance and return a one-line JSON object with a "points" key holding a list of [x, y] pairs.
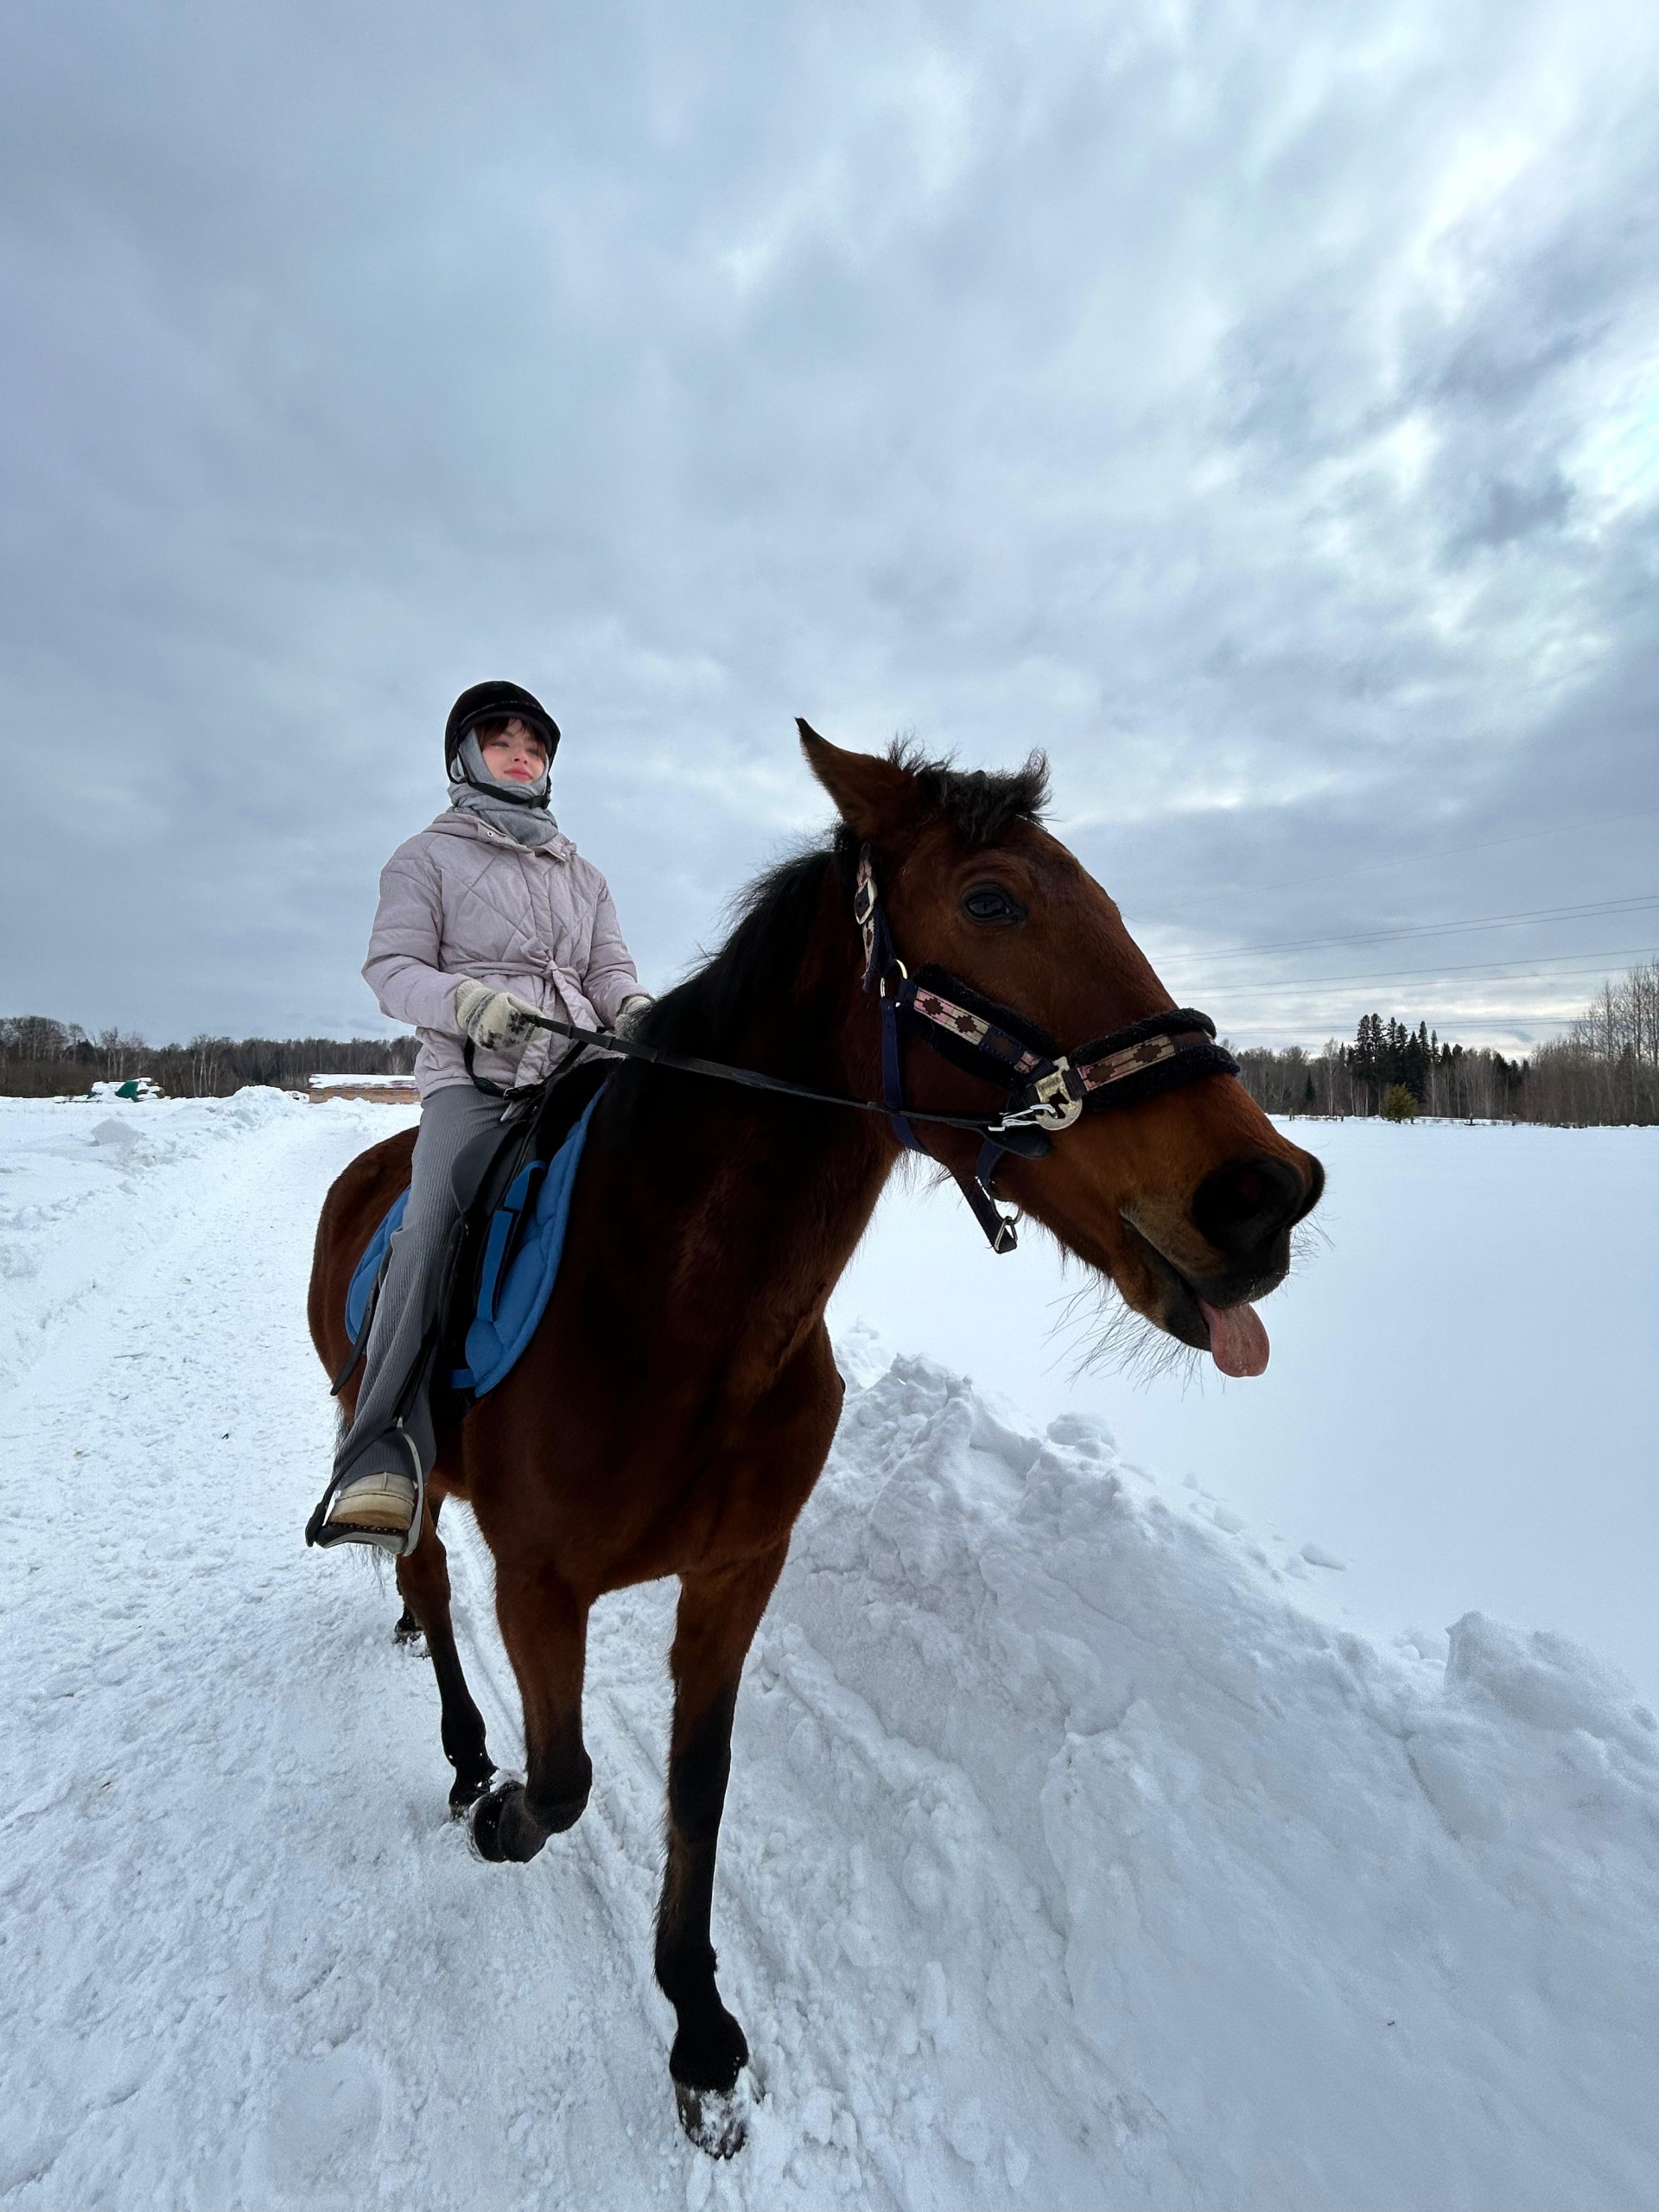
{"points": [[632, 1012], [495, 1020]]}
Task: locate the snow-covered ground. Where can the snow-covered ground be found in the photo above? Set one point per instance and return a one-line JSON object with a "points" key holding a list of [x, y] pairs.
{"points": [[1067, 1862]]}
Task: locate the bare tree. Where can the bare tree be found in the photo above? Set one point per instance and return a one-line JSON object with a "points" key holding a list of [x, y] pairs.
{"points": [[1605, 1068]]}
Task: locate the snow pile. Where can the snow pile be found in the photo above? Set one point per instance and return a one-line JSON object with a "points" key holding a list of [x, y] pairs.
{"points": [[1144, 1879], [1453, 1408], [135, 1087], [1066, 1863]]}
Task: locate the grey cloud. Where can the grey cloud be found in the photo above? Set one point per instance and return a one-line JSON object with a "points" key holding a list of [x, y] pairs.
{"points": [[1498, 510], [1183, 396]]}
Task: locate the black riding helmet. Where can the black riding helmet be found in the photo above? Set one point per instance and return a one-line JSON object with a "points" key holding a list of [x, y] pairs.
{"points": [[488, 703]]}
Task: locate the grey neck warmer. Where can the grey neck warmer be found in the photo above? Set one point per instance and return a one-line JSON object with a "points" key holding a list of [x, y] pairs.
{"points": [[519, 809]]}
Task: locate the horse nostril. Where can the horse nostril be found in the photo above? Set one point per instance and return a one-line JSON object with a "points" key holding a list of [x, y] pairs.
{"points": [[1241, 1206]]}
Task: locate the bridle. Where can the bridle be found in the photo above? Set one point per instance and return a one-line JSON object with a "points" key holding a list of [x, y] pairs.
{"points": [[1049, 1090]]}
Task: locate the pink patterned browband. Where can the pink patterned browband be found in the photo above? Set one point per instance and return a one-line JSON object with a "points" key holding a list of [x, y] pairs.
{"points": [[974, 1030], [1110, 1066]]}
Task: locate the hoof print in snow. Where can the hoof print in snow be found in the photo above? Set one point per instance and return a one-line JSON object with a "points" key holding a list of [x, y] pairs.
{"points": [[717, 2120]]}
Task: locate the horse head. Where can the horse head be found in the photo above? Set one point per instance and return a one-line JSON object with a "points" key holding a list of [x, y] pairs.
{"points": [[1185, 1199]]}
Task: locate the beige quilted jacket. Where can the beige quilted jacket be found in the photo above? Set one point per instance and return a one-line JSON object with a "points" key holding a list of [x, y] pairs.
{"points": [[462, 898]]}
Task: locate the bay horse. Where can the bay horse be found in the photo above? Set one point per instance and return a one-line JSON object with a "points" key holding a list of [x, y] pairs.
{"points": [[676, 1407]]}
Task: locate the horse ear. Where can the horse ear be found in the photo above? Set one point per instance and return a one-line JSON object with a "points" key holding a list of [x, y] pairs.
{"points": [[874, 798]]}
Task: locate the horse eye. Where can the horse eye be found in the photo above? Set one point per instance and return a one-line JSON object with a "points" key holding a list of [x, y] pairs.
{"points": [[988, 902]]}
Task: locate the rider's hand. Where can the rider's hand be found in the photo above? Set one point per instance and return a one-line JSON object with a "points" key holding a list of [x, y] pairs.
{"points": [[630, 1013], [497, 1021]]}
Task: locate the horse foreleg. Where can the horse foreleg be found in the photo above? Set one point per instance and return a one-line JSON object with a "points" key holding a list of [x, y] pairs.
{"points": [[545, 1630], [423, 1583], [718, 1616]]}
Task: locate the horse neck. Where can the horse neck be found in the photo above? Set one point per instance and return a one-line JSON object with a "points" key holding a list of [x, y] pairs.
{"points": [[751, 1207]]}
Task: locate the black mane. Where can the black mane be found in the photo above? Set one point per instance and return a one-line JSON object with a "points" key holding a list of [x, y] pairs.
{"points": [[981, 803], [773, 918], [760, 960]]}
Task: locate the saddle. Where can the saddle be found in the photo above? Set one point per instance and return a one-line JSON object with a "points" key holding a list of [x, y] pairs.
{"points": [[513, 1185]]}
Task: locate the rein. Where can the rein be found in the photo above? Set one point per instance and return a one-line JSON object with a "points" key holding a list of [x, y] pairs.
{"points": [[1048, 1090]]}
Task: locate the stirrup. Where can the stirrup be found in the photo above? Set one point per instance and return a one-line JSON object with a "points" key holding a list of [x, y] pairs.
{"points": [[383, 1535]]}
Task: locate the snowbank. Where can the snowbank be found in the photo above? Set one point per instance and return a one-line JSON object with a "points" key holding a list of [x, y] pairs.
{"points": [[1146, 1882], [1067, 1862]]}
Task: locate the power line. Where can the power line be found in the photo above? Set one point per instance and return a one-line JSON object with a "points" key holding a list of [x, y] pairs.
{"points": [[1443, 1018], [1506, 1022], [1438, 929], [1402, 975]]}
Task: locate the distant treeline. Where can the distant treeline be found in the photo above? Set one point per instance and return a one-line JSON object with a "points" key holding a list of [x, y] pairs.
{"points": [[1604, 1070], [43, 1058]]}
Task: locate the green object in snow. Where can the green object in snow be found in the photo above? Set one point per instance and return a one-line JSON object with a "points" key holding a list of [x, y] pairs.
{"points": [[129, 1089]]}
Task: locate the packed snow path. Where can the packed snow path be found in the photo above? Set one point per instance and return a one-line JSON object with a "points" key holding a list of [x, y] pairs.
{"points": [[1065, 1862]]}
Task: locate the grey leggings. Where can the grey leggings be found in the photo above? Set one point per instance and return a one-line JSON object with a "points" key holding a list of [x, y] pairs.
{"points": [[450, 1119]]}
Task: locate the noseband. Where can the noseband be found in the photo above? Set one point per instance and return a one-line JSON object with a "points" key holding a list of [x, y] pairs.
{"points": [[1048, 1089]]}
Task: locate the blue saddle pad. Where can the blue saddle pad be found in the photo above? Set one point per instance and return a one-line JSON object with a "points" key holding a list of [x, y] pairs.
{"points": [[362, 1281], [521, 1262]]}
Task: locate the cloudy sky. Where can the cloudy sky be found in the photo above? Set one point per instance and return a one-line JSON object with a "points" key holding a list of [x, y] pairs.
{"points": [[1254, 405]]}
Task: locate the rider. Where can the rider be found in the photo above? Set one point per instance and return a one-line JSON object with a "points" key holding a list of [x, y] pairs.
{"points": [[486, 917]]}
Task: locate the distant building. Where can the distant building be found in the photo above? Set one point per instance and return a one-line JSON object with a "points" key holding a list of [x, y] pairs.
{"points": [[383, 1090]]}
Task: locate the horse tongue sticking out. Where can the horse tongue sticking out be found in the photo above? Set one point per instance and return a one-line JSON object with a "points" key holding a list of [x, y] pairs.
{"points": [[1238, 1342]]}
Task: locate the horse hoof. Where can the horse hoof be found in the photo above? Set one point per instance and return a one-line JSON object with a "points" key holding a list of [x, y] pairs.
{"points": [[717, 2120], [483, 1818], [408, 1634], [496, 1825]]}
